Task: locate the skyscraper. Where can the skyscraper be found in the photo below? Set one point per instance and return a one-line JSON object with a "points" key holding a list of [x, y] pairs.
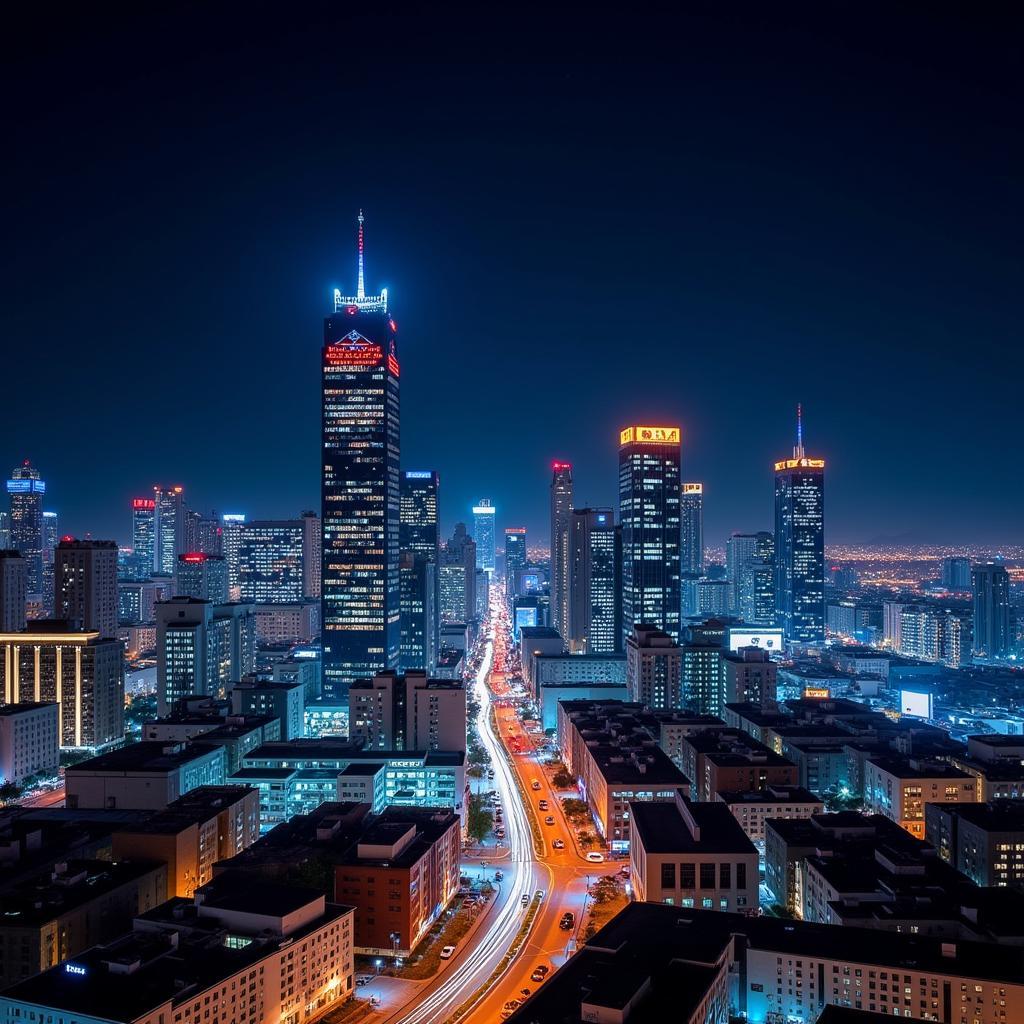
{"points": [[85, 584], [649, 511], [360, 615], [457, 577], [26, 489], [170, 528], [203, 576], [233, 522], [311, 555], [750, 566], [270, 562], [515, 557], [418, 529], [592, 572], [51, 536], [800, 544], [418, 592], [419, 537], [13, 574], [956, 573], [561, 507], [739, 552], [691, 511], [144, 536], [990, 588], [483, 534]]}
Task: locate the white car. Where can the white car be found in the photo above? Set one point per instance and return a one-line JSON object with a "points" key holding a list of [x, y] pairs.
{"points": [[595, 858], [447, 952]]}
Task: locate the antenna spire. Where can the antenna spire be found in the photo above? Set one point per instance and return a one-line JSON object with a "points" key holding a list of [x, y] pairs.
{"points": [[360, 289], [798, 451]]}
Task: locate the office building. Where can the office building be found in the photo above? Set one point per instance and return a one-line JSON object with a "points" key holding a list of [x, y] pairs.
{"points": [[312, 536], [691, 514], [75, 668], [990, 589], [483, 534], [561, 509], [752, 808], [418, 590], [956, 573], [208, 824], [534, 642], [201, 648], [649, 511], [984, 841], [691, 855], [285, 701], [232, 524], [51, 532], [653, 669], [457, 578], [360, 615], [515, 557], [85, 584], [143, 776], [287, 956], [722, 760], [419, 518], [143, 537], [29, 740], [900, 788], [26, 489], [750, 560], [203, 576], [5, 530], [170, 528], [408, 712], [800, 545], [593, 577], [270, 561], [750, 677], [278, 624], [13, 590], [702, 668]]}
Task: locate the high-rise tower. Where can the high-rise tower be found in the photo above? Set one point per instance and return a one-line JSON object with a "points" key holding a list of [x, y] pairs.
{"points": [[26, 489], [359, 488], [649, 511], [419, 540], [144, 536], [990, 587], [170, 528], [800, 544], [483, 534], [691, 556], [592, 578], [515, 557], [561, 507]]}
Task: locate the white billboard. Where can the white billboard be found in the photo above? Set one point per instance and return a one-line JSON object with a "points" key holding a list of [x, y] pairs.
{"points": [[768, 638], [917, 705]]}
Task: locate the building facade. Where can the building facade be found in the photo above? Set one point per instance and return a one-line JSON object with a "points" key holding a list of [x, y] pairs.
{"points": [[561, 509], [593, 582]]}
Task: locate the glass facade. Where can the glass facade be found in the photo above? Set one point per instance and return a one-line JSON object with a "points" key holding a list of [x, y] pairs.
{"points": [[692, 516], [800, 549], [270, 563], [592, 579], [26, 490]]}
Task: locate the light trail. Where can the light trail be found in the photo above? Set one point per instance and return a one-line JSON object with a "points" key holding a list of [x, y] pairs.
{"points": [[472, 972]]}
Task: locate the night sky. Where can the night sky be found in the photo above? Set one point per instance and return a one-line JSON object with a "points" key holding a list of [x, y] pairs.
{"points": [[582, 223]]}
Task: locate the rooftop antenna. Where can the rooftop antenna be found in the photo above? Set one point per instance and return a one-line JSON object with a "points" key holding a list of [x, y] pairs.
{"points": [[360, 290], [798, 451]]}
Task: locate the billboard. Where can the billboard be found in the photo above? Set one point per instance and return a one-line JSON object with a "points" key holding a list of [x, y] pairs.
{"points": [[525, 617], [649, 435], [917, 705], [768, 638]]}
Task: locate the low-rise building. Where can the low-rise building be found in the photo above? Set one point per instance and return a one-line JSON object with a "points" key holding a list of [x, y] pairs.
{"points": [[750, 677], [900, 788], [984, 841], [691, 855], [280, 954], [729, 760], [143, 776], [752, 809], [295, 623], [29, 740], [284, 701]]}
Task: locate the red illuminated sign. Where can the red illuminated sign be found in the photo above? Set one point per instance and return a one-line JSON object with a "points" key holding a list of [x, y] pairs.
{"points": [[144, 504], [194, 556], [393, 364], [355, 352]]}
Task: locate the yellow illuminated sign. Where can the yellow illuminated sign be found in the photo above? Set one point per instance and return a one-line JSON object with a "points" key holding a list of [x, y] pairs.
{"points": [[816, 692], [800, 464], [649, 435], [693, 488]]}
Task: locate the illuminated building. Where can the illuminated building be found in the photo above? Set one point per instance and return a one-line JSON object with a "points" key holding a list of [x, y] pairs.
{"points": [[750, 677], [515, 557], [5, 531], [203, 576], [51, 532], [750, 559], [561, 507], [457, 578], [956, 573], [360, 488], [270, 561], [419, 536], [800, 545], [649, 511], [653, 669], [29, 740], [26, 489], [311, 554], [703, 676], [232, 524], [296, 622], [691, 510], [593, 570], [483, 534], [990, 588], [85, 584], [202, 648], [13, 589], [76, 668], [144, 537], [170, 528]]}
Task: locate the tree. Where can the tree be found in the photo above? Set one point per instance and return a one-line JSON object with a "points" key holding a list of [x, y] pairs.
{"points": [[575, 810], [9, 791], [563, 778], [479, 820]]}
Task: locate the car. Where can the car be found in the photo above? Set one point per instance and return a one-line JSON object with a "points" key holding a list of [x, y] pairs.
{"points": [[540, 973], [525, 899], [543, 805], [558, 844], [567, 920], [539, 894], [624, 871], [509, 1008], [447, 952], [535, 785], [363, 979], [549, 820], [595, 858], [498, 876]]}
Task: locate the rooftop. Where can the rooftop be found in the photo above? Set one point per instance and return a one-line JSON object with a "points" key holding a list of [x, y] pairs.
{"points": [[663, 829], [148, 756], [10, 710], [906, 768]]}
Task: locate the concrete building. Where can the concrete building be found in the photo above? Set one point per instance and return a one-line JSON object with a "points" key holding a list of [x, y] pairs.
{"points": [[728, 760], [984, 841], [534, 642], [900, 788], [653, 668], [29, 740], [408, 712], [752, 809], [691, 855], [295, 623], [13, 590], [207, 825], [750, 677], [85, 584], [286, 956], [281, 700], [74, 668], [59, 912], [203, 576], [143, 776], [302, 670]]}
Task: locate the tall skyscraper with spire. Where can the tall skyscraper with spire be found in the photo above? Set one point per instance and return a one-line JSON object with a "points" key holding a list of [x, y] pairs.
{"points": [[561, 510], [800, 544], [360, 591], [649, 512]]}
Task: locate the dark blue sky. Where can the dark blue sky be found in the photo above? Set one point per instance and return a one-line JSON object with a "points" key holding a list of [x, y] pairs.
{"points": [[582, 222]]}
